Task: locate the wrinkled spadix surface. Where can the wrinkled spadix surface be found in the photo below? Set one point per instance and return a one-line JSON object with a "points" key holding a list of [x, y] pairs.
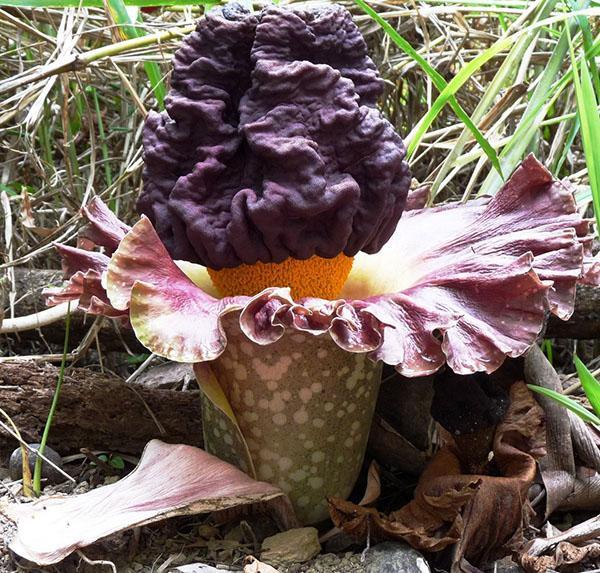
{"points": [[304, 408], [270, 146], [169, 480]]}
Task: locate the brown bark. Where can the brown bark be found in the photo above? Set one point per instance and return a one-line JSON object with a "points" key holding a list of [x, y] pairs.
{"points": [[585, 322], [95, 411]]}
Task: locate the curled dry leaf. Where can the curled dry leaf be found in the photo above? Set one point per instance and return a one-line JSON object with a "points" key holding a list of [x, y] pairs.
{"points": [[483, 514], [430, 522], [568, 486], [373, 489], [169, 480], [562, 549], [564, 558]]}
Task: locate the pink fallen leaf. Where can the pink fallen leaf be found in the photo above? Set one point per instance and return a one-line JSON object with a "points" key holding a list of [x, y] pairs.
{"points": [[170, 480], [253, 565]]}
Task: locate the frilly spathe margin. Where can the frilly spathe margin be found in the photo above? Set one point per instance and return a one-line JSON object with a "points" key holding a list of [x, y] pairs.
{"points": [[465, 285]]}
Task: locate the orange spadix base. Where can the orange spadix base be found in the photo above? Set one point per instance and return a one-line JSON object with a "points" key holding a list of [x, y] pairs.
{"points": [[314, 277]]}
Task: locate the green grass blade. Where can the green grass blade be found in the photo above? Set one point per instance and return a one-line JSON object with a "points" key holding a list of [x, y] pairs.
{"points": [[539, 103], [439, 82], [120, 16], [588, 44], [566, 148], [590, 385], [589, 120], [102, 136], [503, 78], [158, 86], [450, 90], [568, 403], [128, 30], [37, 471], [100, 3], [548, 350]]}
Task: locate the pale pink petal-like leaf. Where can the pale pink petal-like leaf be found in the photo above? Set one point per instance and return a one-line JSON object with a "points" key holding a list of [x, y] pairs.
{"points": [[169, 313], [87, 288], [104, 228], [84, 268], [591, 273], [75, 260], [470, 286], [169, 480], [417, 198]]}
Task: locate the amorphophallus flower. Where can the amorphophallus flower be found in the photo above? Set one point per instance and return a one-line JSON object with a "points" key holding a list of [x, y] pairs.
{"points": [[277, 187]]}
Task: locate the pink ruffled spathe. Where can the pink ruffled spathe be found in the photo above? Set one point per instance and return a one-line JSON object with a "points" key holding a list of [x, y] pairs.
{"points": [[462, 284]]}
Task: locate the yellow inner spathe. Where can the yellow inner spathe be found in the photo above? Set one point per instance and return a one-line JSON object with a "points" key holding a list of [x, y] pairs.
{"points": [[314, 277]]}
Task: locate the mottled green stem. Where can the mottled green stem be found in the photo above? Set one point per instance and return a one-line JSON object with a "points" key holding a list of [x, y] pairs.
{"points": [[304, 407]]}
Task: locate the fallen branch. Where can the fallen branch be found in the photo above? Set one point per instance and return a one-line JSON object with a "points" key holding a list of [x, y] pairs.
{"points": [[38, 319], [581, 532], [95, 411]]}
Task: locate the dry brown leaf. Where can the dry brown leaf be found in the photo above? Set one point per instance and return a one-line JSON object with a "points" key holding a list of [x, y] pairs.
{"points": [[169, 480], [373, 489], [565, 557], [484, 514], [28, 219]]}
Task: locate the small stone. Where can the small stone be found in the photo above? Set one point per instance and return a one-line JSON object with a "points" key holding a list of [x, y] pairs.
{"points": [[391, 557], [506, 565], [296, 546], [49, 473]]}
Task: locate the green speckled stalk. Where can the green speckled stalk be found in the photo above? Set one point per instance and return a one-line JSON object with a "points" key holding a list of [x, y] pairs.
{"points": [[304, 407]]}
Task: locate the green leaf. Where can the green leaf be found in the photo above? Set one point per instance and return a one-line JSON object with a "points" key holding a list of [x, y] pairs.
{"points": [[568, 403], [439, 82], [589, 120], [590, 385], [137, 359], [548, 350], [117, 462], [9, 190]]}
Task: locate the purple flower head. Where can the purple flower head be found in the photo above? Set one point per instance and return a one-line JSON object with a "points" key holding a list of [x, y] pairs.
{"points": [[271, 146]]}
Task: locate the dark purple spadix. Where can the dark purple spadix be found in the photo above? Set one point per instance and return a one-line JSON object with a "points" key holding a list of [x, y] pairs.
{"points": [[271, 146]]}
